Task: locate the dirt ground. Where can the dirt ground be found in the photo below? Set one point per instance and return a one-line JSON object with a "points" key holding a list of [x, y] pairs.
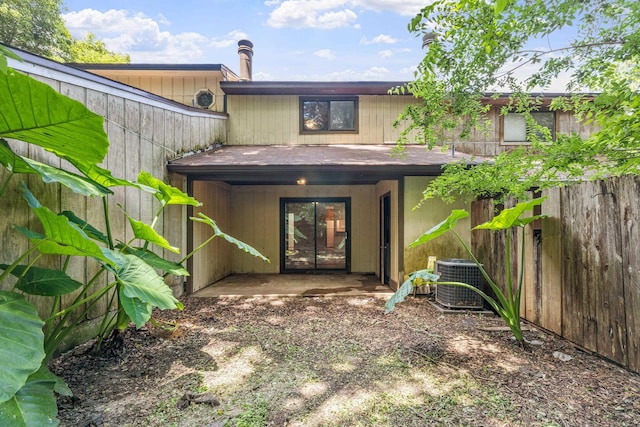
{"points": [[340, 361]]}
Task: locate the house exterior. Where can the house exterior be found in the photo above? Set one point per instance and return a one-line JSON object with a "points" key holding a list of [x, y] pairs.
{"points": [[305, 171]]}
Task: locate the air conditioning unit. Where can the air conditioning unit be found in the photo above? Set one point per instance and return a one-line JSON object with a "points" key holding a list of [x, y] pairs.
{"points": [[459, 270]]}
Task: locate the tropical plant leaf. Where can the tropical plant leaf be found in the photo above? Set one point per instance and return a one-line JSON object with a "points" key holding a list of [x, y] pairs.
{"points": [[62, 236], [42, 281], [167, 194], [90, 230], [140, 280], [21, 343], [510, 217], [100, 175], [48, 174], [139, 312], [219, 233], [155, 261], [441, 228], [33, 112], [407, 287], [145, 232], [60, 387], [33, 405]]}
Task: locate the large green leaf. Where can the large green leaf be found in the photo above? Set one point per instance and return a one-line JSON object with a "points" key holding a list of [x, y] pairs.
{"points": [[511, 217], [167, 194], [441, 228], [76, 183], [219, 233], [100, 175], [4, 54], [407, 287], [145, 232], [90, 230], [140, 280], [43, 281], [21, 343], [32, 111], [33, 405], [139, 312], [63, 237], [155, 261]]}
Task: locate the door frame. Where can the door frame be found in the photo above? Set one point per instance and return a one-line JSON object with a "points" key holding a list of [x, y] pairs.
{"points": [[283, 230], [385, 238]]}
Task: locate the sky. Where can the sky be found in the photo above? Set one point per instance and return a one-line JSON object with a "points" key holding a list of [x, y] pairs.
{"points": [[317, 40]]}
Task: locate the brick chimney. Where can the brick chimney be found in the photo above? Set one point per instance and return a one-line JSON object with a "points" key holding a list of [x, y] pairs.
{"points": [[245, 51]]}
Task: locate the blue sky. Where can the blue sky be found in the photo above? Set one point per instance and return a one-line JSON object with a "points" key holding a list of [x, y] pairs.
{"points": [[293, 40]]}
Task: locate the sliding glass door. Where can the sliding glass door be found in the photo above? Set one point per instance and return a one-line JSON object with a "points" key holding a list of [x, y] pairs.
{"points": [[314, 234]]}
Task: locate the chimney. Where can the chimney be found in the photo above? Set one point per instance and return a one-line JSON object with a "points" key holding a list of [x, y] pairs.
{"points": [[245, 51]]}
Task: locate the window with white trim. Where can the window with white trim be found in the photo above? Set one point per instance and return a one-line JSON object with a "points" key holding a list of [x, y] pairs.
{"points": [[515, 127]]}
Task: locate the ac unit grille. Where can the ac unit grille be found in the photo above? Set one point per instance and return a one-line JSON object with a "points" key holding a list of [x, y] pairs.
{"points": [[458, 270]]}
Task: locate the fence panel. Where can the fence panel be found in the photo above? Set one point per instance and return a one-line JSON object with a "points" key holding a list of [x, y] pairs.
{"points": [[582, 269]]}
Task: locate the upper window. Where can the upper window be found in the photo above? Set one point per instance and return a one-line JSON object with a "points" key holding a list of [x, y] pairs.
{"points": [[328, 115], [515, 127]]}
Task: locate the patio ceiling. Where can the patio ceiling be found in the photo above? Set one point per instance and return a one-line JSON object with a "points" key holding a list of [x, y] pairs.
{"points": [[316, 164]]}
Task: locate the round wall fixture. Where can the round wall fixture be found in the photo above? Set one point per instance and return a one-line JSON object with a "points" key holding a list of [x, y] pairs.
{"points": [[204, 98]]}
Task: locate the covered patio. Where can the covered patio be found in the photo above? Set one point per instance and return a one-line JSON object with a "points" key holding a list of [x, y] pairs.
{"points": [[302, 285]]}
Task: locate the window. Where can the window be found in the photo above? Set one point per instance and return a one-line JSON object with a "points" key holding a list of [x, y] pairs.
{"points": [[329, 115], [515, 127]]}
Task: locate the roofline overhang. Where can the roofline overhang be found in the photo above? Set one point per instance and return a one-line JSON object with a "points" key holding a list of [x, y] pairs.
{"points": [[313, 174], [308, 88]]}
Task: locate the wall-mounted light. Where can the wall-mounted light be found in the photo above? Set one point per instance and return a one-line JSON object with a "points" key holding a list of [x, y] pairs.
{"points": [[301, 181]]}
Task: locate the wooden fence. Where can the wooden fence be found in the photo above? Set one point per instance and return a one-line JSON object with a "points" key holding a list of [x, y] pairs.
{"points": [[581, 265]]}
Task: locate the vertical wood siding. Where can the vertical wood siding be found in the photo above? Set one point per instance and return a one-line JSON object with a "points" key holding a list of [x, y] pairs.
{"points": [[587, 288], [143, 135]]}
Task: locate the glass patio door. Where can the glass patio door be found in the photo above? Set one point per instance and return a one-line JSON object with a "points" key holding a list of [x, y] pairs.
{"points": [[314, 235]]}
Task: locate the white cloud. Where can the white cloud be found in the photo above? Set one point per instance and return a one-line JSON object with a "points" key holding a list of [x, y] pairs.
{"points": [[385, 54], [228, 39], [311, 14], [141, 36], [325, 53], [328, 14], [379, 39]]}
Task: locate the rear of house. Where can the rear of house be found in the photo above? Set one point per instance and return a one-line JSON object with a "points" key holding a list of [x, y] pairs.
{"points": [[306, 173]]}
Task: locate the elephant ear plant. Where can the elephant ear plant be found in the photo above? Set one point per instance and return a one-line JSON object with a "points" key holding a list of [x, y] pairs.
{"points": [[129, 275], [506, 302]]}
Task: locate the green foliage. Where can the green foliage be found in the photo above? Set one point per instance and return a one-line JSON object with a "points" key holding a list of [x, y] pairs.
{"points": [[507, 301], [35, 26], [93, 51], [34, 113], [479, 46], [254, 415], [407, 287]]}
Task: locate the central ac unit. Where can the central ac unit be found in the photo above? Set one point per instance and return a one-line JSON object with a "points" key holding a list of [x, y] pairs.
{"points": [[458, 270]]}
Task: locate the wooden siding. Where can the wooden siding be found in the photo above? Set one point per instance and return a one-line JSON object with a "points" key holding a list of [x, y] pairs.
{"points": [[417, 221], [255, 219], [582, 268], [214, 261], [143, 135], [177, 88], [274, 120]]}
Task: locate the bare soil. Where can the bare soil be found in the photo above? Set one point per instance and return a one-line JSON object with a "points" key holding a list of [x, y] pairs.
{"points": [[340, 362]]}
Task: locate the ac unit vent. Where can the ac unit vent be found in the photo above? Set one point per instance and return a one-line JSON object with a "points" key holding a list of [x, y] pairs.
{"points": [[458, 270], [204, 99]]}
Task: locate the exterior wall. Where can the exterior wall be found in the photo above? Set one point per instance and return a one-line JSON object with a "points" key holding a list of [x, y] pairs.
{"points": [[177, 88], [489, 145], [255, 219], [275, 120], [213, 262], [432, 212], [143, 134]]}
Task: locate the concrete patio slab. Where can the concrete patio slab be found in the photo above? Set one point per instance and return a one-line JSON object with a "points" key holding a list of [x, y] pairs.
{"points": [[305, 285]]}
